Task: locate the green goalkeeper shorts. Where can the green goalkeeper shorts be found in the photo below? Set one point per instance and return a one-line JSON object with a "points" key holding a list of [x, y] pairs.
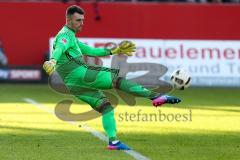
{"points": [[85, 81]]}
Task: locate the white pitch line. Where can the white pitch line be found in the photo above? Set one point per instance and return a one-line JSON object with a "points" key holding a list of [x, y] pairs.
{"points": [[87, 128]]}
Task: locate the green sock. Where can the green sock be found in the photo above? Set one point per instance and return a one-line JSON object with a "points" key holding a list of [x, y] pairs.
{"points": [[109, 124], [135, 88]]}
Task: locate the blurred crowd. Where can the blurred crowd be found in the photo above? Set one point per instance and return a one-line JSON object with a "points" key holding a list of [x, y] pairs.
{"points": [[131, 1]]}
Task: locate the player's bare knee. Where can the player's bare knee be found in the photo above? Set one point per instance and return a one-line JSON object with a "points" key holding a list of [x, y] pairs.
{"points": [[117, 82], [104, 107]]}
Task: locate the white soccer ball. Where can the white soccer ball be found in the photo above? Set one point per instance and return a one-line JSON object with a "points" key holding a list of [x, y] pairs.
{"points": [[181, 79]]}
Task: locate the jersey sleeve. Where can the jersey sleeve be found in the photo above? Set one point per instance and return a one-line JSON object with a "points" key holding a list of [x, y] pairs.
{"points": [[61, 44], [94, 52]]}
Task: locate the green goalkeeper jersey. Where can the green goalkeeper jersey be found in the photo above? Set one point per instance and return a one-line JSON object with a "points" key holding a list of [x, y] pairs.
{"points": [[68, 51], [67, 46]]}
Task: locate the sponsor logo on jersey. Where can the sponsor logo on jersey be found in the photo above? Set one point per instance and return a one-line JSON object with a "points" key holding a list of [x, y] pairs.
{"points": [[64, 40]]}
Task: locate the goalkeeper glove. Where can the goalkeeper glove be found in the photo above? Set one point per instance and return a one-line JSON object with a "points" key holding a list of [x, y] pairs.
{"points": [[125, 47], [49, 66]]}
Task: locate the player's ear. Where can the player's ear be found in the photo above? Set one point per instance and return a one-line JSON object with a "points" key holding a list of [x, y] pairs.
{"points": [[68, 19]]}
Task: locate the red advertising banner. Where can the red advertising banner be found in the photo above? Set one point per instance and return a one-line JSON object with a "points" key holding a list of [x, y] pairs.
{"points": [[26, 27]]}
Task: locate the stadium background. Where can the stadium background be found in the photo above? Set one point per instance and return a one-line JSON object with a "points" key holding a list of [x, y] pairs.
{"points": [[25, 30], [32, 24]]}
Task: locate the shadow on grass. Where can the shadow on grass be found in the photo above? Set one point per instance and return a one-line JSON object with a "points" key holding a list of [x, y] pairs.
{"points": [[203, 97], [30, 143], [44, 144], [187, 146]]}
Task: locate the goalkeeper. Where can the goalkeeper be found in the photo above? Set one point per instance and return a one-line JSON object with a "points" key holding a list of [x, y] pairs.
{"points": [[86, 81]]}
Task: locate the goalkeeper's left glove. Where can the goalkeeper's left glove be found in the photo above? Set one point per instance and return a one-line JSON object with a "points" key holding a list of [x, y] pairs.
{"points": [[125, 47], [49, 66]]}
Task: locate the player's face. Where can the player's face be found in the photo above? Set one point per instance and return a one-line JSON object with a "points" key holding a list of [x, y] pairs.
{"points": [[76, 22]]}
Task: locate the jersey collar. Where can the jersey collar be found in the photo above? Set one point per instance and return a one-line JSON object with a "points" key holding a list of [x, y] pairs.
{"points": [[69, 29]]}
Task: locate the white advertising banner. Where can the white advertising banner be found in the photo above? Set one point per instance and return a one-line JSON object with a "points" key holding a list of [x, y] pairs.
{"points": [[210, 62]]}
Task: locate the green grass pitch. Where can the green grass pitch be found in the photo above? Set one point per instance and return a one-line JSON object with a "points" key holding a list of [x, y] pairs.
{"points": [[211, 133]]}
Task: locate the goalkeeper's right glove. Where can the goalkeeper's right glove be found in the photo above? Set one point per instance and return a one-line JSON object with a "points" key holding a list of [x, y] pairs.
{"points": [[49, 66], [125, 47]]}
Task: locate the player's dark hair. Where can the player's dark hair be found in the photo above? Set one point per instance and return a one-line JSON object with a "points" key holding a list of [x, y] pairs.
{"points": [[73, 9]]}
